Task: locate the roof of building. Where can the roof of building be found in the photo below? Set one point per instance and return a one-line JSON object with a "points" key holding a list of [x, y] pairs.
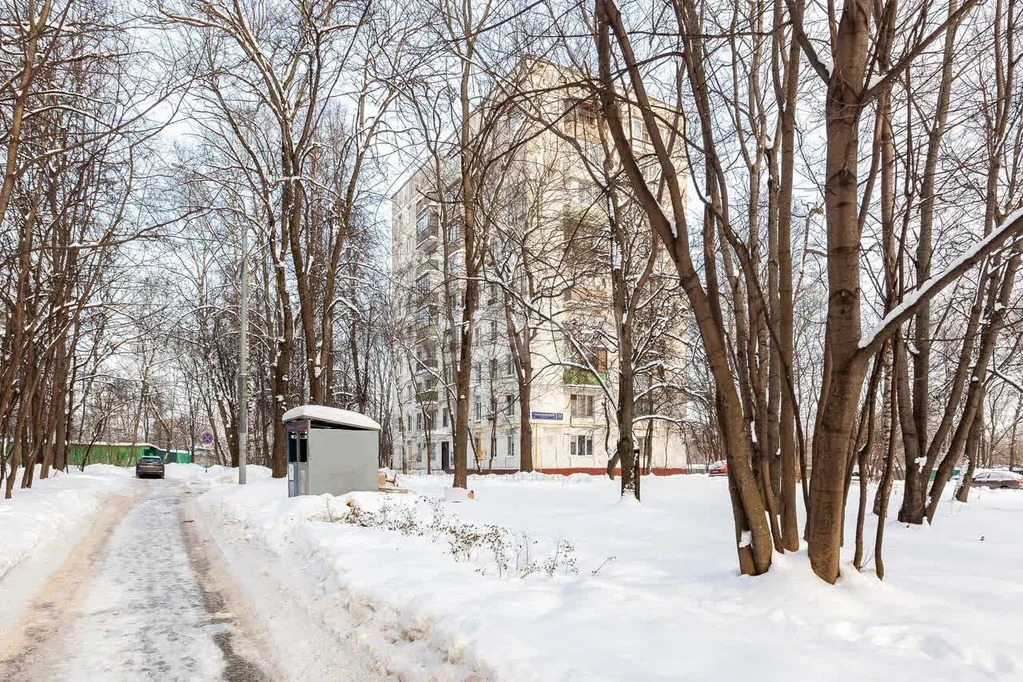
{"points": [[331, 415]]}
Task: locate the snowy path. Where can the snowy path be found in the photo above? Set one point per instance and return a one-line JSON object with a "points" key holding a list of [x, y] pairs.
{"points": [[137, 601]]}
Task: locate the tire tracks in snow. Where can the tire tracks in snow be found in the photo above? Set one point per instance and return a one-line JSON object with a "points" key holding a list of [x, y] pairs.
{"points": [[211, 571], [137, 599]]}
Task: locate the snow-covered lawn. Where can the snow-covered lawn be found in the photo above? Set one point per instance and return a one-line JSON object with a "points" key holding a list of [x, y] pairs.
{"points": [[590, 588]]}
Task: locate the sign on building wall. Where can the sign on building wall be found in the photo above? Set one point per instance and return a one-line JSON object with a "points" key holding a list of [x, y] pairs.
{"points": [[550, 416]]}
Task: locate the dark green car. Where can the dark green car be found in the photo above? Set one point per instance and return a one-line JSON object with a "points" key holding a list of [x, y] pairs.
{"points": [[149, 466]]}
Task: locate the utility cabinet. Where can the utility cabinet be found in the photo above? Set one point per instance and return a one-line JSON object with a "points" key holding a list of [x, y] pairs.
{"points": [[331, 451]]}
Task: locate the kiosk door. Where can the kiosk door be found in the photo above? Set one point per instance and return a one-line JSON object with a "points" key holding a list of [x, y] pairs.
{"points": [[303, 465], [298, 464], [292, 464]]}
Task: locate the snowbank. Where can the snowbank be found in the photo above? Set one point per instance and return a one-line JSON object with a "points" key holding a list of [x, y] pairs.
{"points": [[195, 476], [642, 592], [303, 586], [52, 511], [39, 528]]}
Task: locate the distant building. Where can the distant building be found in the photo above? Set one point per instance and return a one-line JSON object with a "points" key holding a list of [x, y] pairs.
{"points": [[549, 247]]}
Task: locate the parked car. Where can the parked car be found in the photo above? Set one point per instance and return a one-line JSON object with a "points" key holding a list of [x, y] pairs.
{"points": [[998, 479], [149, 465], [718, 468]]}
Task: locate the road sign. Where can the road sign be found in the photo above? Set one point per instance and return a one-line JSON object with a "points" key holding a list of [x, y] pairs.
{"points": [[206, 437]]}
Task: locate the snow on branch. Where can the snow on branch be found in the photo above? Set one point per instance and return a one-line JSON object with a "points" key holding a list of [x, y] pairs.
{"points": [[873, 339]]}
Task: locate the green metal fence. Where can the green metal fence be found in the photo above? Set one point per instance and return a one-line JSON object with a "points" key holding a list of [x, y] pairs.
{"points": [[122, 454]]}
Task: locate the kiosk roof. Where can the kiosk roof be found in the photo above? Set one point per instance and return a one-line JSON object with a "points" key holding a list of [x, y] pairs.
{"points": [[331, 415]]}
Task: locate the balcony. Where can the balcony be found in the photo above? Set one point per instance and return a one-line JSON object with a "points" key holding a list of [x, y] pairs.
{"points": [[428, 246], [429, 396], [426, 264], [426, 363], [427, 227], [428, 311], [574, 376]]}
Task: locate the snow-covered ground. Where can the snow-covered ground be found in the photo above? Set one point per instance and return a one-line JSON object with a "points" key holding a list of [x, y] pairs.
{"points": [[553, 578], [550, 578], [196, 477], [136, 608], [287, 567], [39, 526], [52, 510]]}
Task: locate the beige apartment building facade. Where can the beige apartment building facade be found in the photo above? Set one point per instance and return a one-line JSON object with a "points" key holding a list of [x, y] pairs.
{"points": [[548, 267]]}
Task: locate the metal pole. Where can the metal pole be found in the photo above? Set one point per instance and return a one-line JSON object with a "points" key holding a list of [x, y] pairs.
{"points": [[243, 361]]}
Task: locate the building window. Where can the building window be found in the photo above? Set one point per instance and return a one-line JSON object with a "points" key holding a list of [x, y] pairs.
{"points": [[581, 117], [452, 231], [479, 410], [445, 417], [572, 186], [644, 406], [509, 404], [511, 444], [423, 285], [582, 405], [639, 131], [492, 293], [478, 372], [581, 446], [419, 420], [509, 366], [493, 368], [577, 192], [493, 330]]}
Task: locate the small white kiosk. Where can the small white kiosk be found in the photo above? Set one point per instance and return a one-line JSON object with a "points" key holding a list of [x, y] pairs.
{"points": [[331, 451]]}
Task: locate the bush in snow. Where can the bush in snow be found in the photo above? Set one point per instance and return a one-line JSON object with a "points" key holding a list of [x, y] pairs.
{"points": [[505, 549]]}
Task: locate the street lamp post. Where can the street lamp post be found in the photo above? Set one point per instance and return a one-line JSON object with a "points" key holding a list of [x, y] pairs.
{"points": [[243, 361]]}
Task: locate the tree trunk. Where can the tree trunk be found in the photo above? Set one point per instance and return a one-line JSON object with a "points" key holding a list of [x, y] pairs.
{"points": [[752, 533], [972, 445], [473, 251], [883, 493], [786, 419], [975, 393]]}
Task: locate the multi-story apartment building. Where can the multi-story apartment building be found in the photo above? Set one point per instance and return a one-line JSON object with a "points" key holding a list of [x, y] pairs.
{"points": [[548, 270]]}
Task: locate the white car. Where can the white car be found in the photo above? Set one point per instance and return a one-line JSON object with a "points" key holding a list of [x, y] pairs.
{"points": [[998, 479]]}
